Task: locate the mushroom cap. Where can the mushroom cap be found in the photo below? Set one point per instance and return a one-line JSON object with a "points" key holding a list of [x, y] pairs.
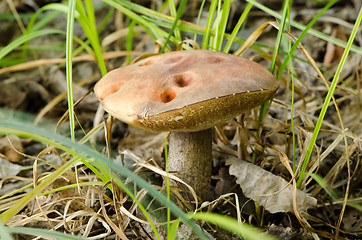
{"points": [[185, 90]]}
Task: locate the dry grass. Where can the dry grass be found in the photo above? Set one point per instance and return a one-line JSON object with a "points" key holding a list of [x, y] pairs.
{"points": [[81, 204]]}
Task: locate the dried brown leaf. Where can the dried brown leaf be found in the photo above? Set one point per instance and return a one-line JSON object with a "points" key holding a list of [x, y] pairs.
{"points": [[267, 189]]}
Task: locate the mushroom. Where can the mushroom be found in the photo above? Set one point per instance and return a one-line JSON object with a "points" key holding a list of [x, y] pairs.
{"points": [[186, 93]]}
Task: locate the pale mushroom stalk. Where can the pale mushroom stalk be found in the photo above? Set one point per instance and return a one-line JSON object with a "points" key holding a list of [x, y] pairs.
{"points": [[186, 93]]}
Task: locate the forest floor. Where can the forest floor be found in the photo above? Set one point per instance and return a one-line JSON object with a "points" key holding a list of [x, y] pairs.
{"points": [[330, 201]]}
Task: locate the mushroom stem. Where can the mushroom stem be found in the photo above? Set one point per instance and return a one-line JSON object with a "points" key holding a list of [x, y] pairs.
{"points": [[190, 158]]}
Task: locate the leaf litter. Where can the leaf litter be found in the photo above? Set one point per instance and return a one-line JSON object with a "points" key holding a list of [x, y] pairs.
{"points": [[77, 209]]}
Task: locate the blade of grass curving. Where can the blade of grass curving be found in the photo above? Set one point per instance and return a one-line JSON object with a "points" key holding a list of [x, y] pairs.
{"points": [[285, 14], [127, 8], [4, 232], [178, 16], [88, 24], [232, 225], [105, 170], [19, 205], [182, 25], [154, 19], [9, 16], [31, 26], [216, 22], [129, 40], [208, 26], [237, 27], [294, 152], [151, 29], [106, 20], [140, 9], [172, 234], [264, 106], [152, 16], [69, 65], [72, 186], [333, 193], [91, 20], [63, 8], [313, 32], [199, 16], [301, 36], [221, 28], [60, 7], [26, 37], [48, 17], [287, 43], [290, 53], [328, 97], [91, 16], [46, 181], [288, 61], [174, 14], [151, 19], [44, 233], [76, 149], [16, 191]]}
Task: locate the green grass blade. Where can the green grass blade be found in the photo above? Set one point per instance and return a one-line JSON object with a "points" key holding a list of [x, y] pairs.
{"points": [[328, 97], [167, 185], [199, 16], [172, 233], [129, 40], [94, 38], [91, 16], [208, 26], [133, 7], [32, 26], [141, 207], [26, 37], [285, 15], [44, 233], [172, 30], [290, 53], [61, 7], [4, 232], [90, 30], [76, 149], [69, 65], [300, 38], [150, 28], [237, 27], [19, 205], [313, 32], [288, 61], [175, 15], [221, 28], [243, 230], [106, 20], [333, 193], [264, 106]]}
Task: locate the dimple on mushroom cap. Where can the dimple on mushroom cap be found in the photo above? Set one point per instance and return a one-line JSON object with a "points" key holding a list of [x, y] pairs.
{"points": [[185, 90]]}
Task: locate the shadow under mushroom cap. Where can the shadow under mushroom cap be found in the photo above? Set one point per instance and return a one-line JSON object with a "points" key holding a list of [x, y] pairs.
{"points": [[185, 90]]}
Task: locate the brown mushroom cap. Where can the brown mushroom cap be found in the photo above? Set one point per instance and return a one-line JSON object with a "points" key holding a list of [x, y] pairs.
{"points": [[185, 90]]}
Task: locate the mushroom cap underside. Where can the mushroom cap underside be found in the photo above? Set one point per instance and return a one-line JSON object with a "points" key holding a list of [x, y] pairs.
{"points": [[185, 90]]}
